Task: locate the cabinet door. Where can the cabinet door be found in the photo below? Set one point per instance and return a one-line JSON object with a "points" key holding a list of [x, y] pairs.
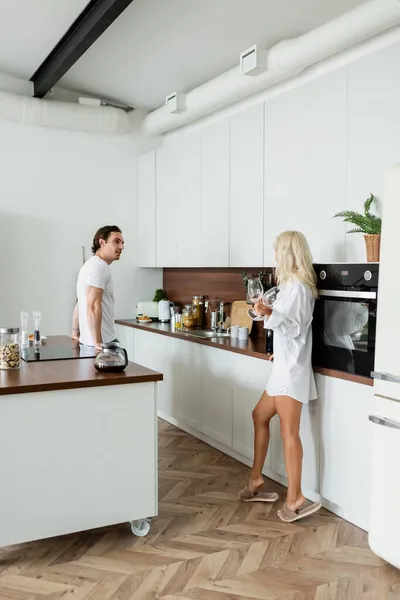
{"points": [[250, 376], [215, 195], [345, 458], [146, 219], [188, 384], [125, 336], [309, 433], [216, 393], [305, 166], [247, 187], [167, 207], [158, 352]]}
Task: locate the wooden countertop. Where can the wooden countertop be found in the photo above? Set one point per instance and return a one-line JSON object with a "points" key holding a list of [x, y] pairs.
{"points": [[68, 374], [253, 347]]}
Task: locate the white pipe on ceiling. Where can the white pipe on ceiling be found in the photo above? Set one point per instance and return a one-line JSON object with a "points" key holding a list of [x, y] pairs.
{"points": [[286, 59], [63, 115]]}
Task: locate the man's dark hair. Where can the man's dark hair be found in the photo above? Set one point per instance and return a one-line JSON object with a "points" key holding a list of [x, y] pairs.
{"points": [[103, 234]]}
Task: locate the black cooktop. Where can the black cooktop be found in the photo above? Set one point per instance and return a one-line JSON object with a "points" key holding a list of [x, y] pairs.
{"points": [[43, 353]]}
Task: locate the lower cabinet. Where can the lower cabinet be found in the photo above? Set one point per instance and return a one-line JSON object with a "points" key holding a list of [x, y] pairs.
{"points": [[216, 395], [187, 383], [213, 392], [250, 376]]}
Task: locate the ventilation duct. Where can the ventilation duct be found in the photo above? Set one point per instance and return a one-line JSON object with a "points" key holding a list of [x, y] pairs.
{"points": [[287, 59], [63, 115]]}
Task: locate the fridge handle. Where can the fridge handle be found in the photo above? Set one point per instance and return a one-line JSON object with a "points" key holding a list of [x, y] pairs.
{"points": [[385, 377], [384, 422]]}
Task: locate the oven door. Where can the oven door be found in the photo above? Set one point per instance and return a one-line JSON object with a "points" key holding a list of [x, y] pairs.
{"points": [[344, 327]]}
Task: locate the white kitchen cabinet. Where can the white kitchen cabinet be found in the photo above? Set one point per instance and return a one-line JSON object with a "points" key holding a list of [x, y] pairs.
{"points": [[249, 377], [214, 186], [309, 434], [188, 383], [373, 133], [345, 444], [146, 219], [158, 352], [247, 187], [305, 166], [216, 395], [178, 222], [125, 337]]}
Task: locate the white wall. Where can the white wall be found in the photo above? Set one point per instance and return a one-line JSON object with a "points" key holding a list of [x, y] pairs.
{"points": [[56, 188]]}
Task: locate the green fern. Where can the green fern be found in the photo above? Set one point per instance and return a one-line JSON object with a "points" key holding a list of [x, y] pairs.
{"points": [[365, 223]]}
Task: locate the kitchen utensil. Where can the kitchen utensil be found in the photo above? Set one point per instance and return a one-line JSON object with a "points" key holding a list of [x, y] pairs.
{"points": [[111, 358], [164, 314], [239, 314], [254, 289], [234, 331], [37, 318], [147, 309], [243, 333]]}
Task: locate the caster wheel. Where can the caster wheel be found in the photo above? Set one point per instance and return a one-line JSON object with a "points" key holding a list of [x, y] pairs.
{"points": [[141, 527]]}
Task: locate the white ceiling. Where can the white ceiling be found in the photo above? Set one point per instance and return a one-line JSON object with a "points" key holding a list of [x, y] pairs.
{"points": [[29, 30], [155, 46]]}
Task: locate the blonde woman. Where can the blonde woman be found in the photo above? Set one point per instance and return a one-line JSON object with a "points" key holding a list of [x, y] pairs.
{"points": [[292, 380]]}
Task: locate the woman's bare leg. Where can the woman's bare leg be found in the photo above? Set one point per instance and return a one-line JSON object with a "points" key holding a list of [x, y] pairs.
{"points": [[262, 415], [289, 411]]}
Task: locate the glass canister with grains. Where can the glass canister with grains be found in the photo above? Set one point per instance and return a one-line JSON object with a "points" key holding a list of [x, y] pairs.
{"points": [[10, 354]]}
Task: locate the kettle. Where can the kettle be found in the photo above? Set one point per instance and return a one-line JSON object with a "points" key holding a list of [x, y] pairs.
{"points": [[164, 314], [111, 358]]}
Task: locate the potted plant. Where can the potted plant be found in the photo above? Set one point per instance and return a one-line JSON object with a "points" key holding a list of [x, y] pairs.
{"points": [[368, 224]]}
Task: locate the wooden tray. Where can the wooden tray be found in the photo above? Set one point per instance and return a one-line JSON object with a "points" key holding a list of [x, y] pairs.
{"points": [[239, 314]]}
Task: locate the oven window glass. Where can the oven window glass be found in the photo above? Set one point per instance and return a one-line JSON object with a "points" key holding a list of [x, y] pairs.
{"points": [[346, 325]]}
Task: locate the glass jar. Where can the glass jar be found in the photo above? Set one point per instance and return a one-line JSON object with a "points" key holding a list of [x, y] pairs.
{"points": [[188, 316], [198, 310], [10, 354]]}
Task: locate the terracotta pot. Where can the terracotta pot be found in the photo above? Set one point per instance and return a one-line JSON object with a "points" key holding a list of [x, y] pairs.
{"points": [[373, 246]]}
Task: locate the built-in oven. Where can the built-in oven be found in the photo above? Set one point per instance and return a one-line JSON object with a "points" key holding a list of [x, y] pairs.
{"points": [[344, 322]]}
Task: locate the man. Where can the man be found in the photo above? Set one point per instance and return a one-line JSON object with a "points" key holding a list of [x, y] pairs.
{"points": [[93, 318]]}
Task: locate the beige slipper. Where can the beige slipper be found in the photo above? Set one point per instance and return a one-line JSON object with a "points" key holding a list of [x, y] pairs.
{"points": [[288, 515], [246, 495]]}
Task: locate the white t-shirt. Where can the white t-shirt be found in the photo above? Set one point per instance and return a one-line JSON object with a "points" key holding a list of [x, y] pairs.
{"points": [[97, 273]]}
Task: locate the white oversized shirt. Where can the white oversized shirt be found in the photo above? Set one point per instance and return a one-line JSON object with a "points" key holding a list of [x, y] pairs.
{"points": [[97, 273], [292, 374]]}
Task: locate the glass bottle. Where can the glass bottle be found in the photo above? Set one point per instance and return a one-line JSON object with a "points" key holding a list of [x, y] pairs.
{"points": [[24, 329], [187, 316], [10, 354], [198, 310], [37, 317]]}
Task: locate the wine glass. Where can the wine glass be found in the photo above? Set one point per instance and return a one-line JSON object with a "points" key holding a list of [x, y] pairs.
{"points": [[270, 296], [254, 289]]}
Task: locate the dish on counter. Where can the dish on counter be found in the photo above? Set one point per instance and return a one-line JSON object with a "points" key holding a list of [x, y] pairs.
{"points": [[144, 319]]}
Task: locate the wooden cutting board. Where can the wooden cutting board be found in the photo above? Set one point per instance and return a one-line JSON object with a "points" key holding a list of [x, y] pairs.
{"points": [[239, 314]]}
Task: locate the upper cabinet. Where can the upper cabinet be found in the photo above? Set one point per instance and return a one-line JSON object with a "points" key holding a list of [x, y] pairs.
{"points": [[246, 187], [214, 188], [146, 222], [305, 166]]}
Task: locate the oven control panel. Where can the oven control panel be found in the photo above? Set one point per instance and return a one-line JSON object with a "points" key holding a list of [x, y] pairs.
{"points": [[350, 276]]}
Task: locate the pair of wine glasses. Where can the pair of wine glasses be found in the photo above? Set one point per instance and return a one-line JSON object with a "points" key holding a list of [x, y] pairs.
{"points": [[255, 293]]}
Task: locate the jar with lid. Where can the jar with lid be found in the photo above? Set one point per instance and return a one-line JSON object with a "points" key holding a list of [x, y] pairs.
{"points": [[198, 310], [10, 353], [188, 316]]}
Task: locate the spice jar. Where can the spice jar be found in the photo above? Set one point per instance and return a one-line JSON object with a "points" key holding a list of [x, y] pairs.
{"points": [[198, 310], [188, 316], [10, 355]]}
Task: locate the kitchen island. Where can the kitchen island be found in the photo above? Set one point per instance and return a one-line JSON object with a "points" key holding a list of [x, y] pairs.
{"points": [[78, 448]]}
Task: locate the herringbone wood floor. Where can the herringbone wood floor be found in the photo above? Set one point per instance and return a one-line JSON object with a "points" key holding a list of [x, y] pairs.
{"points": [[203, 546]]}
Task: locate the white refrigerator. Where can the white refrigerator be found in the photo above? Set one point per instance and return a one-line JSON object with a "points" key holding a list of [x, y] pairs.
{"points": [[384, 532]]}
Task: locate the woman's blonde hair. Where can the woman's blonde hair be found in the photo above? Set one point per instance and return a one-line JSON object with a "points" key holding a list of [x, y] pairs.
{"points": [[294, 259]]}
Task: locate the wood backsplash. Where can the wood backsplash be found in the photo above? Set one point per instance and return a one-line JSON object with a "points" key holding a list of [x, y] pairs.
{"points": [[214, 284]]}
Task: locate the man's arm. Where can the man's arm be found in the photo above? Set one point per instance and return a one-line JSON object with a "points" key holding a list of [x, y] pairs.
{"points": [[94, 309], [75, 323]]}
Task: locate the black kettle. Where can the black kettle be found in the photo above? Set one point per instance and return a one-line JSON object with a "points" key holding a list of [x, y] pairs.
{"points": [[111, 358]]}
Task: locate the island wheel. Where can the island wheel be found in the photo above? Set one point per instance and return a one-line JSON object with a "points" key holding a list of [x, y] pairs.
{"points": [[140, 527]]}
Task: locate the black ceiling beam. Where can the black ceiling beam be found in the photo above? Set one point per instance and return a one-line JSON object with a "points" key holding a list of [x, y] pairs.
{"points": [[92, 22]]}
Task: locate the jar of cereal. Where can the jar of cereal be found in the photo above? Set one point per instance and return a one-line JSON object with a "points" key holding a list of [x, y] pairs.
{"points": [[10, 355]]}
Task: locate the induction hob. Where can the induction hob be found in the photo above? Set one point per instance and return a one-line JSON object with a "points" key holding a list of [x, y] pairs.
{"points": [[43, 353]]}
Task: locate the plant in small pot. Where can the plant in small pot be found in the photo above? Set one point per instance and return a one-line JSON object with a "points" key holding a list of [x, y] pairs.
{"points": [[368, 224]]}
